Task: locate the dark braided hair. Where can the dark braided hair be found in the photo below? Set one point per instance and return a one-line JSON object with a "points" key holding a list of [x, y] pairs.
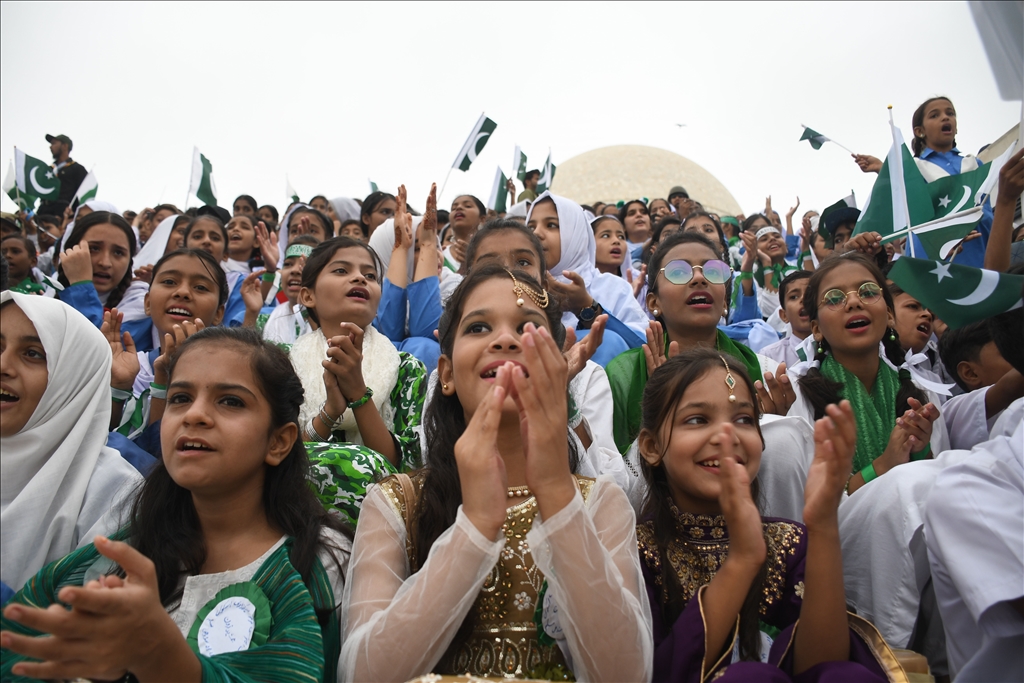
{"points": [[917, 121], [78, 234], [820, 390], [663, 392]]}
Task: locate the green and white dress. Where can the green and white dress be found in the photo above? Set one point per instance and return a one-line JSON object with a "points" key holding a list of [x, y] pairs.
{"points": [[255, 623]]}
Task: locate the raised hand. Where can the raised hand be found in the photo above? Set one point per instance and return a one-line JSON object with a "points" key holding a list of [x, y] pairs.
{"points": [[172, 340], [574, 293], [577, 353], [869, 243], [746, 536], [510, 185], [144, 273], [252, 293], [124, 367], [345, 364], [835, 439], [403, 221], [792, 209], [481, 469], [77, 263], [638, 281], [269, 251], [775, 394], [654, 349], [540, 393], [867, 163]]}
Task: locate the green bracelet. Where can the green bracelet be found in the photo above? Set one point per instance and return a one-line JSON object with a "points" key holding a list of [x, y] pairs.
{"points": [[157, 391], [268, 276], [119, 395], [358, 403], [869, 473], [922, 454], [804, 255], [741, 276]]}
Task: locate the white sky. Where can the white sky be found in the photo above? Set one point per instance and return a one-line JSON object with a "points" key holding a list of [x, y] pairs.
{"points": [[333, 93]]}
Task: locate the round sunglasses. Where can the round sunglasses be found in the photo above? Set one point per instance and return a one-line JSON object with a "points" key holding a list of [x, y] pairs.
{"points": [[867, 293], [680, 272]]}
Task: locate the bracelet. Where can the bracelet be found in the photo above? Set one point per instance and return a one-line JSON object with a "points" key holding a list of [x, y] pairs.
{"points": [[869, 473], [332, 424], [922, 454], [119, 395], [358, 403], [267, 276], [157, 391], [742, 275], [312, 434], [804, 255]]}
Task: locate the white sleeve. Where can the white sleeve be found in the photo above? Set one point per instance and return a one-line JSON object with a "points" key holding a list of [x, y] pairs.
{"points": [[397, 626], [966, 419], [588, 554]]}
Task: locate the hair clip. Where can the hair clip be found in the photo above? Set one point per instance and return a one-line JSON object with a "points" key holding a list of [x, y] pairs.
{"points": [[730, 381], [519, 289]]}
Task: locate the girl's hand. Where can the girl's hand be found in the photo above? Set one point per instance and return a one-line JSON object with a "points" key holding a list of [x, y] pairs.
{"points": [[125, 366], [574, 292], [638, 281], [481, 469], [269, 250], [172, 340], [77, 263], [654, 349], [539, 391], [749, 251], [109, 630], [144, 273], [897, 451], [403, 222], [345, 363], [458, 248], [746, 536], [868, 163], [428, 226], [1011, 179], [775, 394], [577, 353], [870, 243], [918, 423], [792, 212], [252, 295], [835, 439]]}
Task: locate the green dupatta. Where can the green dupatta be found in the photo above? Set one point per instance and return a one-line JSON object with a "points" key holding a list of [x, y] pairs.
{"points": [[875, 412], [627, 374]]}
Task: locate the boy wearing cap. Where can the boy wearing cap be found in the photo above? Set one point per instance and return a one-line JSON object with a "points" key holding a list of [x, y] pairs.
{"points": [[70, 174]]}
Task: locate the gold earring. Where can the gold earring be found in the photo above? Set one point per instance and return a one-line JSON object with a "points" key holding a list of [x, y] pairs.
{"points": [[519, 289], [444, 386], [730, 381]]}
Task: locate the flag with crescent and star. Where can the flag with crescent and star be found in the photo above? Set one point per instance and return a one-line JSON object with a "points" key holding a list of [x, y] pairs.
{"points": [[499, 193], [202, 185], [34, 177], [475, 143], [519, 164], [814, 137], [23, 201], [958, 295], [547, 176], [967, 190]]}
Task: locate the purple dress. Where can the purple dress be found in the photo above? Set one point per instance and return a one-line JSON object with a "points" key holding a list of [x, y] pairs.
{"points": [[696, 554]]}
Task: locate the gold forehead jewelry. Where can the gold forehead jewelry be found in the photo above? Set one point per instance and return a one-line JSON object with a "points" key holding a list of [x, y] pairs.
{"points": [[519, 289], [730, 381]]}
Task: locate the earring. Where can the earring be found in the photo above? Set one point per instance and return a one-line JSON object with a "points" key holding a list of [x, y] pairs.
{"points": [[656, 312], [821, 349], [892, 334], [444, 386]]}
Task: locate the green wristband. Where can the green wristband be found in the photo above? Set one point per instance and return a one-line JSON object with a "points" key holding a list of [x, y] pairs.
{"points": [[358, 403], [869, 473], [804, 255], [744, 276], [922, 454], [267, 276]]}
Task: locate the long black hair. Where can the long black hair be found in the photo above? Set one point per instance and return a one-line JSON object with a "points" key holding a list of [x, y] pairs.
{"points": [[164, 525], [664, 390], [445, 420], [820, 390], [370, 204], [78, 233], [322, 255]]}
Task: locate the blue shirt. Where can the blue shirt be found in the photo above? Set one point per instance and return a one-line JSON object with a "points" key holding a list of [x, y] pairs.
{"points": [[949, 162]]}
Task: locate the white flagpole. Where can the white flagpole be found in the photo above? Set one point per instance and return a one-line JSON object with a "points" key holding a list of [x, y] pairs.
{"points": [[446, 176], [902, 179]]}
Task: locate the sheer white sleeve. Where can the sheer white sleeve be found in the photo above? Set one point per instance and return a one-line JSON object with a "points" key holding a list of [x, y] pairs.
{"points": [[397, 626], [588, 554]]}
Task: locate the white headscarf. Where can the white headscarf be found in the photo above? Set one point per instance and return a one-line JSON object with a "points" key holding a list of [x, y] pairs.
{"points": [[56, 459], [382, 241], [96, 205], [282, 233], [579, 254], [346, 209], [154, 248]]}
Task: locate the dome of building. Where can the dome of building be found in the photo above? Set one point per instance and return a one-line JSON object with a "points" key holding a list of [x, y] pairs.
{"points": [[623, 172]]}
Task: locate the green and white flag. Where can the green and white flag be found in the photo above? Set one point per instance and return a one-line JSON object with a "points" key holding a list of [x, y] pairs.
{"points": [[34, 177], [499, 193], [959, 295], [289, 191], [474, 143], [201, 184], [940, 236], [23, 201], [519, 164], [899, 198], [87, 190], [958, 192], [814, 137], [547, 175], [373, 186]]}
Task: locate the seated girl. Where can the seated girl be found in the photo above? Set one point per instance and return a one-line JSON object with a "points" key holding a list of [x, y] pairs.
{"points": [[228, 563], [764, 262], [714, 567], [569, 244], [852, 320], [187, 294], [744, 305], [496, 559], [612, 256], [688, 294], [96, 264], [360, 389], [288, 320], [60, 482], [168, 236]]}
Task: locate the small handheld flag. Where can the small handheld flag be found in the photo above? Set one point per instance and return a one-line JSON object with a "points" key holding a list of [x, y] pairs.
{"points": [[33, 177], [959, 295], [475, 143], [87, 190], [289, 191], [817, 139], [499, 193], [519, 164], [201, 184], [547, 176]]}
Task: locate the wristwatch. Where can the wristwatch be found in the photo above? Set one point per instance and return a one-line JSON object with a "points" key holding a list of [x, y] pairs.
{"points": [[588, 315]]}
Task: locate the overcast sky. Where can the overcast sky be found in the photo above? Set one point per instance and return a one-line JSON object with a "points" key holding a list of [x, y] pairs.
{"points": [[331, 94]]}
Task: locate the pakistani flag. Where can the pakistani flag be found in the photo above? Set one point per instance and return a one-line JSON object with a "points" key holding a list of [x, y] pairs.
{"points": [[474, 143], [499, 193], [959, 295], [814, 137], [87, 190], [23, 201], [519, 164], [373, 186], [34, 177], [966, 190], [547, 175], [202, 185], [848, 202], [290, 191]]}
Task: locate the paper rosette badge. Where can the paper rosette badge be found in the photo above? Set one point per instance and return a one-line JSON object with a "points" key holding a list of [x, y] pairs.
{"points": [[238, 618]]}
